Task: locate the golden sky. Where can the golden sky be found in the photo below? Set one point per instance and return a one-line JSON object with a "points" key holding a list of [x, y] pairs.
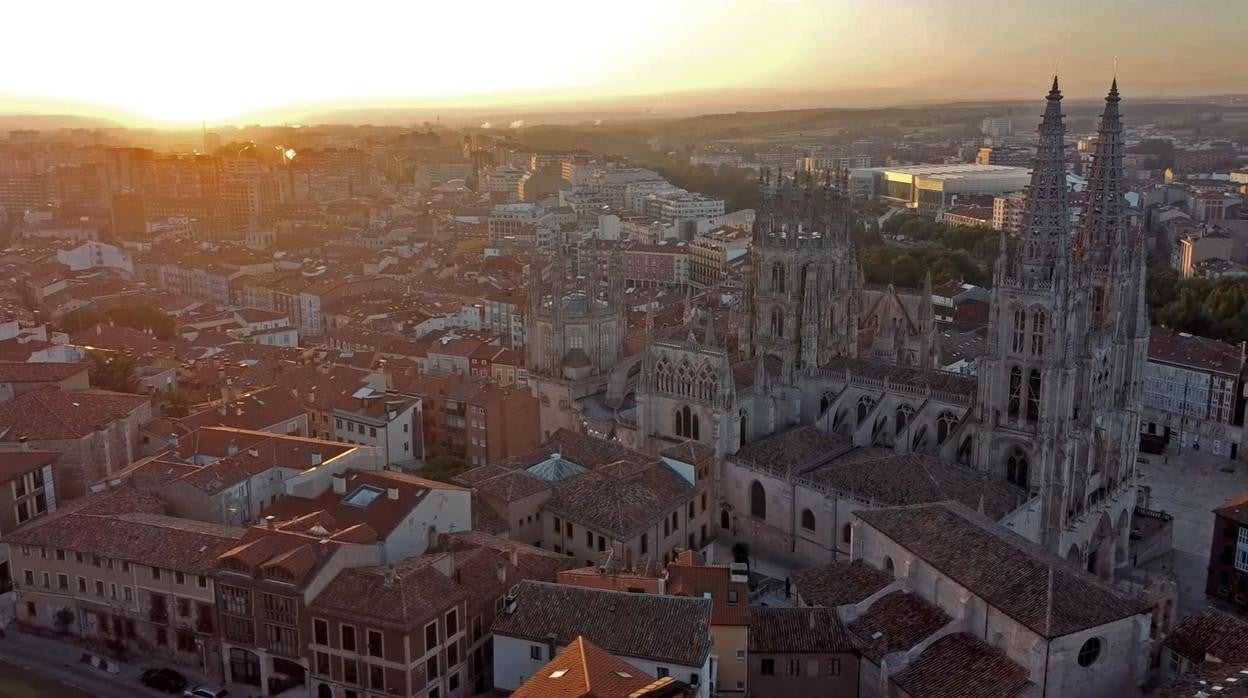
{"points": [[181, 62]]}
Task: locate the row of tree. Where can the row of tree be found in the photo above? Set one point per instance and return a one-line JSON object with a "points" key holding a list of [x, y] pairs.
{"points": [[1205, 307]]}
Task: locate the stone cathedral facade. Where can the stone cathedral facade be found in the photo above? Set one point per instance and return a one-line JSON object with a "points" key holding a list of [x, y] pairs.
{"points": [[1052, 415]]}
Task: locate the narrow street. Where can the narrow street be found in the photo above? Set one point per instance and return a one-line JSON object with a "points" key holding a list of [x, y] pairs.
{"points": [[34, 667]]}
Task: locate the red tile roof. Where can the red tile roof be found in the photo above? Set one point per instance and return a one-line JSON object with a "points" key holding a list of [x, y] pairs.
{"points": [[49, 414], [16, 464], [962, 666], [38, 372], [584, 670], [1213, 634]]}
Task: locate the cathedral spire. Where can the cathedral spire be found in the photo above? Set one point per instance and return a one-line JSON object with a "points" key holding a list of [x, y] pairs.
{"points": [[1101, 237], [1046, 219]]}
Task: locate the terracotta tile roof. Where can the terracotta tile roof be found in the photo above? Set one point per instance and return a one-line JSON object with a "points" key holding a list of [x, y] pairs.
{"points": [[142, 538], [1235, 509], [269, 407], [485, 519], [913, 478], [532, 562], [260, 547], [665, 629], [962, 666], [38, 372], [620, 506], [49, 414], [402, 599], [584, 670], [896, 622], [1201, 353], [1211, 633], [797, 449], [1211, 679], [14, 464], [1047, 594], [513, 485], [798, 630], [690, 452], [381, 513], [839, 583]]}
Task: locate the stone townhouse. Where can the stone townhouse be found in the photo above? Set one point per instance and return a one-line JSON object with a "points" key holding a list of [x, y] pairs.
{"points": [[586, 497], [120, 571], [95, 431]]}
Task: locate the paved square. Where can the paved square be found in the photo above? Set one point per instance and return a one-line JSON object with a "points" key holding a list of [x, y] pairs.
{"points": [[1189, 487]]}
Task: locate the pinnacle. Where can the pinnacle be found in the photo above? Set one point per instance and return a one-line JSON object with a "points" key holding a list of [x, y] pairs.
{"points": [[1113, 91], [1055, 92]]}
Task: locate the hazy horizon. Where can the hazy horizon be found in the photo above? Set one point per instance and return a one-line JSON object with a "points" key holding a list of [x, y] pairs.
{"points": [[277, 62]]}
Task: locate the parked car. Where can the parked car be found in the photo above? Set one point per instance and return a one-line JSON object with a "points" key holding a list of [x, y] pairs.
{"points": [[206, 691], [166, 680]]}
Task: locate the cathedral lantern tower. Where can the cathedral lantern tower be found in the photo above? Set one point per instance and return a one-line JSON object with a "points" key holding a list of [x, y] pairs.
{"points": [[803, 298]]}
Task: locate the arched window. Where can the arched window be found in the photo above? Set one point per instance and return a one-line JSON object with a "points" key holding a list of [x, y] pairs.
{"points": [[903, 417], [1016, 392], [1033, 395], [707, 385], [663, 375], [680, 422], [684, 379], [686, 423], [694, 431], [944, 426], [777, 323], [1016, 468], [865, 405], [888, 565], [724, 519], [847, 533], [745, 423], [324, 691], [1038, 322], [758, 500], [777, 277], [1020, 324], [808, 519]]}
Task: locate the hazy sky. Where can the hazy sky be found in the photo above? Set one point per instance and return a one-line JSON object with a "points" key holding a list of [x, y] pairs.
{"points": [[181, 61]]}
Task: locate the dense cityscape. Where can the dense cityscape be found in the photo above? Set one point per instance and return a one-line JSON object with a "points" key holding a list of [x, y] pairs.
{"points": [[916, 401]]}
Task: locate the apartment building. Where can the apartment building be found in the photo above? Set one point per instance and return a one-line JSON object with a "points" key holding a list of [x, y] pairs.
{"points": [[419, 627], [1192, 394], [134, 578], [264, 584]]}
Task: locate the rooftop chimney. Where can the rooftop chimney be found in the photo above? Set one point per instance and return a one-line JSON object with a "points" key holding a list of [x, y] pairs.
{"points": [[391, 575], [268, 522], [502, 574], [314, 458], [340, 484], [392, 492], [23, 443], [231, 448]]}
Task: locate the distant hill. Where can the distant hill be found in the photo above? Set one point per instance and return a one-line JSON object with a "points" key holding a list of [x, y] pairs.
{"points": [[51, 122]]}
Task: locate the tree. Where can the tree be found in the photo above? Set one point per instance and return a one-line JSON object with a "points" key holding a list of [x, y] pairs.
{"points": [[443, 468], [176, 402], [117, 372]]}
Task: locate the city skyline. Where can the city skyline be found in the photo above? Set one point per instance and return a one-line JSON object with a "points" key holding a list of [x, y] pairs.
{"points": [[282, 63]]}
